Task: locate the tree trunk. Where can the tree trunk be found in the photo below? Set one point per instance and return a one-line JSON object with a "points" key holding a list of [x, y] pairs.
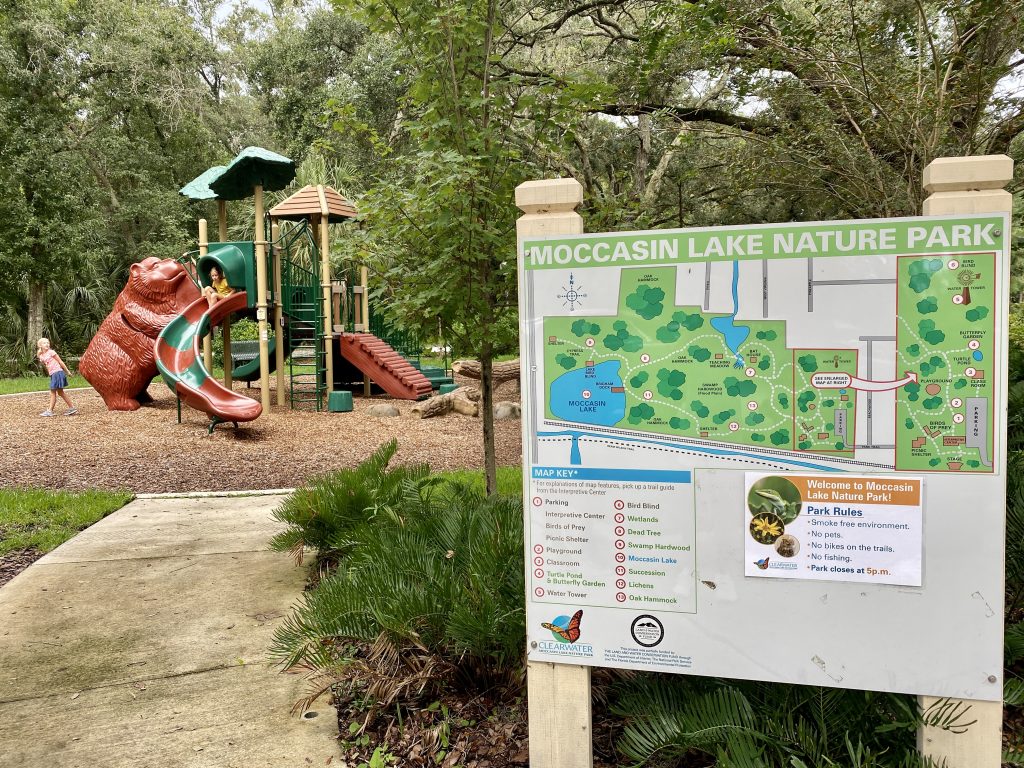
{"points": [[36, 325], [487, 396], [654, 185], [643, 156]]}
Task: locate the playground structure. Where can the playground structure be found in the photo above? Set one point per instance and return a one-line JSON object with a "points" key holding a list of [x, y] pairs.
{"points": [[321, 326]]}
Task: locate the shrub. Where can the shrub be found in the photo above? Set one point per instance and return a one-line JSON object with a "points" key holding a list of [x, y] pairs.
{"points": [[1016, 362], [1013, 686], [241, 330], [744, 723], [434, 582], [325, 515]]}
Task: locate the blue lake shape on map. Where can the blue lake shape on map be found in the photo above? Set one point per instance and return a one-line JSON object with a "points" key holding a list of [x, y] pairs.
{"points": [[603, 407], [734, 335]]}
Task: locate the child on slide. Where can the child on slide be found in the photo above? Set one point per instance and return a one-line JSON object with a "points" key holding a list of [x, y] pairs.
{"points": [[218, 288], [58, 377]]}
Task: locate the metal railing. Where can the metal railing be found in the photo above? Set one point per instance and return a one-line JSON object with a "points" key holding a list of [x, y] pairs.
{"points": [[406, 343]]}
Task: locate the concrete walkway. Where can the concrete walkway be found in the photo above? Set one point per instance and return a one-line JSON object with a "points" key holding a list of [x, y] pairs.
{"points": [[143, 642]]}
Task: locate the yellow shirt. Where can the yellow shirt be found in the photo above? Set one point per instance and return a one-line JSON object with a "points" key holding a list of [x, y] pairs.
{"points": [[221, 287]]}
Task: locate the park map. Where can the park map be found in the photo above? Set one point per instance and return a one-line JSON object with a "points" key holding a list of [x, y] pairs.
{"points": [[659, 367], [770, 430]]}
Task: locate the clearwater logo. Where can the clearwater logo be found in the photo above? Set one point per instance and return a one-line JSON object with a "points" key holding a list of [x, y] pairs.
{"points": [[779, 565], [564, 629]]}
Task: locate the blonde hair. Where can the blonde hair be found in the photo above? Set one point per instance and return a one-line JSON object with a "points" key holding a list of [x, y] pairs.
{"points": [[42, 342]]}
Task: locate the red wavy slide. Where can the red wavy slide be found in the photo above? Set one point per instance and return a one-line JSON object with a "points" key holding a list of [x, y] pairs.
{"points": [[180, 361]]}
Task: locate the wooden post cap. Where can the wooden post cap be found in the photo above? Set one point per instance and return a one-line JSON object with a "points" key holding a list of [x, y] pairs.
{"points": [[546, 195], [963, 174]]}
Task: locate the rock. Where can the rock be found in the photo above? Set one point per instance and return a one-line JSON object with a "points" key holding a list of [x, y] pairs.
{"points": [[507, 410], [383, 410]]}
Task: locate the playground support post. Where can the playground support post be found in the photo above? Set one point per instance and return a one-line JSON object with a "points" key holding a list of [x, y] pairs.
{"points": [[261, 300], [364, 302], [225, 327], [558, 695], [204, 247], [325, 280], [968, 185], [278, 312], [225, 337], [337, 294]]}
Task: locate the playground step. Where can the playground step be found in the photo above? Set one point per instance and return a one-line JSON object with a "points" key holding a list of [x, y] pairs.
{"points": [[392, 372], [437, 381], [436, 376]]}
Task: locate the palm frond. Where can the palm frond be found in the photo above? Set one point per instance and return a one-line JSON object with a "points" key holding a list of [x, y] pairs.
{"points": [[431, 569], [752, 724]]}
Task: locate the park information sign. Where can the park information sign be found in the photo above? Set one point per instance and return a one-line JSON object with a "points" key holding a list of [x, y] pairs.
{"points": [[770, 452]]}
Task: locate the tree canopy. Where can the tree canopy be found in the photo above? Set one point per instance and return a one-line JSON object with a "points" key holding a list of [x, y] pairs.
{"points": [[428, 115]]}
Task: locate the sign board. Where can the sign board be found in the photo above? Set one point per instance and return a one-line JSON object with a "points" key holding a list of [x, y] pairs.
{"points": [[770, 452]]}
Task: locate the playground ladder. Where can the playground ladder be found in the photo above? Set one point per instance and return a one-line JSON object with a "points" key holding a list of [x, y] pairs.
{"points": [[302, 304]]}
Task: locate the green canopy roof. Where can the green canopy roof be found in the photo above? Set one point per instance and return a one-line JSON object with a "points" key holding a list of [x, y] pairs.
{"points": [[252, 167], [199, 187]]}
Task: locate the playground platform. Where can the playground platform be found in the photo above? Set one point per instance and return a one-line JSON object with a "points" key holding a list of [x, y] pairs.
{"points": [[143, 642]]}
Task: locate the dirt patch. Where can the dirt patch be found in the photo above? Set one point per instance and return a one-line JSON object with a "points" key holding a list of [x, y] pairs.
{"points": [[460, 729], [471, 732], [147, 451], [13, 563]]}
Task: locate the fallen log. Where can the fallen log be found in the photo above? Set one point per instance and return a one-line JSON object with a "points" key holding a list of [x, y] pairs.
{"points": [[500, 372], [465, 407], [464, 400]]}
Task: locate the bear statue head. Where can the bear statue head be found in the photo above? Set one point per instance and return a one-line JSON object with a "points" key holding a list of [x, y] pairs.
{"points": [[163, 281]]}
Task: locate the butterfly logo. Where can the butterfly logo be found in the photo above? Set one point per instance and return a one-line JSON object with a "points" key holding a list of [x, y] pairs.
{"points": [[565, 629], [762, 564]]}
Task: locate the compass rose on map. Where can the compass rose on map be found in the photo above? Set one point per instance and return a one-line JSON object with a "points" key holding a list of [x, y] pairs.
{"points": [[571, 296]]}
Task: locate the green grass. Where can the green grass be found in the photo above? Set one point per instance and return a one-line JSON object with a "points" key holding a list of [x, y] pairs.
{"points": [[510, 479], [19, 384], [44, 520], [437, 361]]}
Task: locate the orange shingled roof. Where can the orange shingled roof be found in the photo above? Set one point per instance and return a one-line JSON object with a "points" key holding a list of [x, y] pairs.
{"points": [[307, 202]]}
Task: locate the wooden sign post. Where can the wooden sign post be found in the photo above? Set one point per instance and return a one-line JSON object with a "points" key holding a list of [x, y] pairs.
{"points": [[558, 694], [968, 185]]}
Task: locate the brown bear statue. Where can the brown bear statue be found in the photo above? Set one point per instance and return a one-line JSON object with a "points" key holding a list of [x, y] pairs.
{"points": [[119, 361]]}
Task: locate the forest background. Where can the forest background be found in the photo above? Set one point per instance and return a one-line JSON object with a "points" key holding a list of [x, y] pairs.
{"points": [[428, 114]]}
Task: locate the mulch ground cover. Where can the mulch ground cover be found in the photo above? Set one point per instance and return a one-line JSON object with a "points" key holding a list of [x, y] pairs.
{"points": [[147, 451], [13, 563], [460, 730]]}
